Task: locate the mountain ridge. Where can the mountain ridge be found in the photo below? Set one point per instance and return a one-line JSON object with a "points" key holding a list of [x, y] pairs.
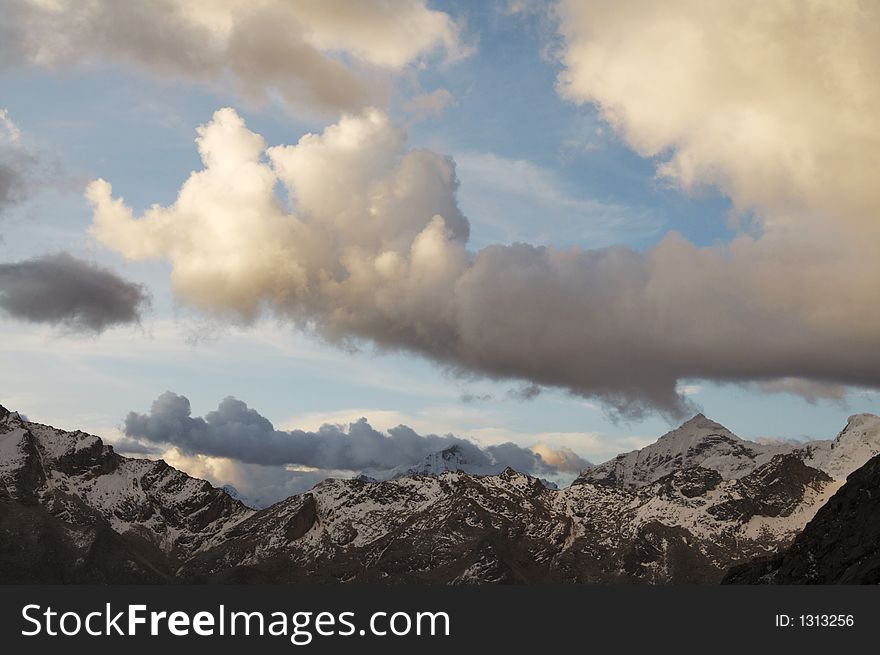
{"points": [[112, 518]]}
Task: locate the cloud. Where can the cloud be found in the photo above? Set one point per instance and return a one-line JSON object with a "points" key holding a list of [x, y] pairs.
{"points": [[259, 486], [776, 103], [134, 448], [562, 459], [236, 432], [328, 56], [468, 398], [13, 134], [525, 392], [368, 244], [19, 165], [430, 104], [59, 289], [810, 391]]}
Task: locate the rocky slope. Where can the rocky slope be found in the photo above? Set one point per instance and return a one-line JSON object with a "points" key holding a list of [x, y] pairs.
{"points": [[682, 510], [841, 545], [72, 509], [457, 528]]}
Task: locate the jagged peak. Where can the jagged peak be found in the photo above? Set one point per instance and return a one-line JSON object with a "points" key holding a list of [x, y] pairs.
{"points": [[858, 425], [701, 421], [699, 426], [454, 449], [862, 418], [10, 417], [509, 473]]}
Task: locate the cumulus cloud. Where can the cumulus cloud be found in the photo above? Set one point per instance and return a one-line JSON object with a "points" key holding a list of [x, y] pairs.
{"points": [[60, 289], [776, 103], [313, 53], [256, 485], [368, 243], [237, 432], [562, 459]]}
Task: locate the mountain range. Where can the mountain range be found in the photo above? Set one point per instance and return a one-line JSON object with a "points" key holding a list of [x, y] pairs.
{"points": [[697, 506]]}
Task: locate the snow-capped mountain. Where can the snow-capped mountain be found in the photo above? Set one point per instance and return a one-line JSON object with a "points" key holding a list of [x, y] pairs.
{"points": [[237, 495], [684, 509], [858, 442], [450, 459], [707, 444], [459, 528], [698, 442], [98, 510], [453, 459]]}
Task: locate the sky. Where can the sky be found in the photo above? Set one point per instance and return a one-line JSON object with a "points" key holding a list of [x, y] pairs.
{"points": [[547, 231]]}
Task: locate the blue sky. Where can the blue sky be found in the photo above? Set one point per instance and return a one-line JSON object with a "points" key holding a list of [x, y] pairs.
{"points": [[533, 167]]}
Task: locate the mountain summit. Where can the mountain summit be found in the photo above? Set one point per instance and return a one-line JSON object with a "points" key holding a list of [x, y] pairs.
{"points": [[697, 442], [709, 445]]}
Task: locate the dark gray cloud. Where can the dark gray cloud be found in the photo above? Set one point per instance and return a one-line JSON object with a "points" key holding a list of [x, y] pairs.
{"points": [[469, 398], [62, 290], [135, 448], [238, 432], [525, 392]]}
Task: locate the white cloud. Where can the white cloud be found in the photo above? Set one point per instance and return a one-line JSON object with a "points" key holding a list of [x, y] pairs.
{"points": [[373, 247], [316, 54], [776, 103], [260, 486], [689, 389], [11, 129]]}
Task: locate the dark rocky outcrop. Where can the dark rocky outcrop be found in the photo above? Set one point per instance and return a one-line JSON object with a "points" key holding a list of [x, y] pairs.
{"points": [[841, 545]]}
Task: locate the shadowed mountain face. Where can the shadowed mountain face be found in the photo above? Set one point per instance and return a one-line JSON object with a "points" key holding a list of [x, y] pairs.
{"points": [[72, 510], [841, 545]]}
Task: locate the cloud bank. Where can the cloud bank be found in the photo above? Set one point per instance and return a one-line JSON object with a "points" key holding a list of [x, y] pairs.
{"points": [[321, 55], [368, 243], [236, 432], [62, 290]]}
